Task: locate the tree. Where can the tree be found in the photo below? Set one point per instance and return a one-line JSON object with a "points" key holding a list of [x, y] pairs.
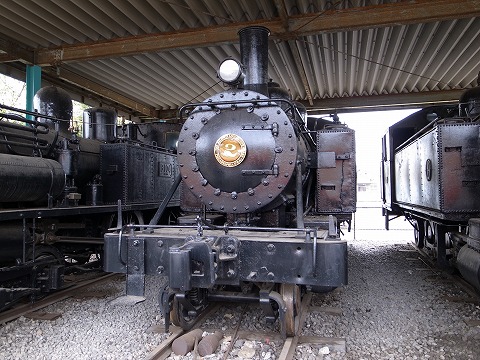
{"points": [[12, 92]]}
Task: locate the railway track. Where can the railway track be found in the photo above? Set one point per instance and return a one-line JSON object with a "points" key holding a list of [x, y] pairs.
{"points": [[456, 278], [287, 347], [72, 289]]}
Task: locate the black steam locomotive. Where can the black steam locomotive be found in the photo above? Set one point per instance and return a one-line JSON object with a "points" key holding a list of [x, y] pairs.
{"points": [[59, 193], [431, 175], [263, 192]]}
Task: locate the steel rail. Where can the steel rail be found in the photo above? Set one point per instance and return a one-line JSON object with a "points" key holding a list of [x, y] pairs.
{"points": [[20, 310]]}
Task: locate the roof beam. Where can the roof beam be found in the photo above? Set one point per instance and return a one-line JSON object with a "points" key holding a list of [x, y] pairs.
{"points": [[15, 51], [399, 13], [82, 82], [384, 102], [191, 38]]}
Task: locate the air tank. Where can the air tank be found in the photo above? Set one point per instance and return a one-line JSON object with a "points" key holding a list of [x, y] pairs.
{"points": [[29, 178], [55, 102], [100, 124]]}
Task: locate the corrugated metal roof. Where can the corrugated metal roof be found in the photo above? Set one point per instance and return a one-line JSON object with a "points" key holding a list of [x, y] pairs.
{"points": [[363, 55]]}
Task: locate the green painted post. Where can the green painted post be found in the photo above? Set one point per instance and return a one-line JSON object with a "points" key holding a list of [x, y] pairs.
{"points": [[34, 82]]}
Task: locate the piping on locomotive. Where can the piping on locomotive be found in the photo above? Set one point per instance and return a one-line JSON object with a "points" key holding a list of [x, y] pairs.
{"points": [[263, 196], [59, 192], [431, 175]]}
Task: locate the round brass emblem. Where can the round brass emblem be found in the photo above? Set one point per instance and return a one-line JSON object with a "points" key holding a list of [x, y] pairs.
{"points": [[230, 150]]}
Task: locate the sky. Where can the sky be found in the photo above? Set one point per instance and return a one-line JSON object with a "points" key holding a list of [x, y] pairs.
{"points": [[369, 129]]}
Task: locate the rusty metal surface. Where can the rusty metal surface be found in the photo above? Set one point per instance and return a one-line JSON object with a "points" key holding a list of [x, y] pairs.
{"points": [[460, 161], [185, 343], [336, 173], [441, 170], [208, 345], [268, 166], [136, 174], [411, 184]]}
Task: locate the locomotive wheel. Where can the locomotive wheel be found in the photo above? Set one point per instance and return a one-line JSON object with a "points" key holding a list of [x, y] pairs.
{"points": [[45, 253], [419, 233], [179, 315], [291, 295], [429, 232]]}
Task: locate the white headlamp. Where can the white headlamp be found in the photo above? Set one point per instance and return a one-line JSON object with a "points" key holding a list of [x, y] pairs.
{"points": [[230, 71]]}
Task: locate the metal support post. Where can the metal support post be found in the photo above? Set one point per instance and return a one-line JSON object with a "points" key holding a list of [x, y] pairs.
{"points": [[34, 82]]}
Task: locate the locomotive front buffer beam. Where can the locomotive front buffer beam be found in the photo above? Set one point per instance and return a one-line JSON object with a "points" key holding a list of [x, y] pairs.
{"points": [[208, 263]]}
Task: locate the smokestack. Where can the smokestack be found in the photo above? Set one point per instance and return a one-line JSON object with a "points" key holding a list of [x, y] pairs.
{"points": [[254, 53]]}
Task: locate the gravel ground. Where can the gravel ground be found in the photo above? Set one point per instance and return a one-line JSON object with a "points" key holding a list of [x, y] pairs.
{"points": [[392, 309], [89, 328]]}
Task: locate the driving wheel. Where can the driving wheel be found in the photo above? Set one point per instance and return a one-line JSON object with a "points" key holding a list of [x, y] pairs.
{"points": [[291, 295], [179, 315], [419, 232]]}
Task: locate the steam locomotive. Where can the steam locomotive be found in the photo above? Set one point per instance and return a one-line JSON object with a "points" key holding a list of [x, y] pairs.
{"points": [[263, 191], [431, 175], [59, 192]]}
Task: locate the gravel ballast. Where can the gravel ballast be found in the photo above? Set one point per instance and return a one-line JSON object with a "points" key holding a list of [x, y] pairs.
{"points": [[393, 308]]}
